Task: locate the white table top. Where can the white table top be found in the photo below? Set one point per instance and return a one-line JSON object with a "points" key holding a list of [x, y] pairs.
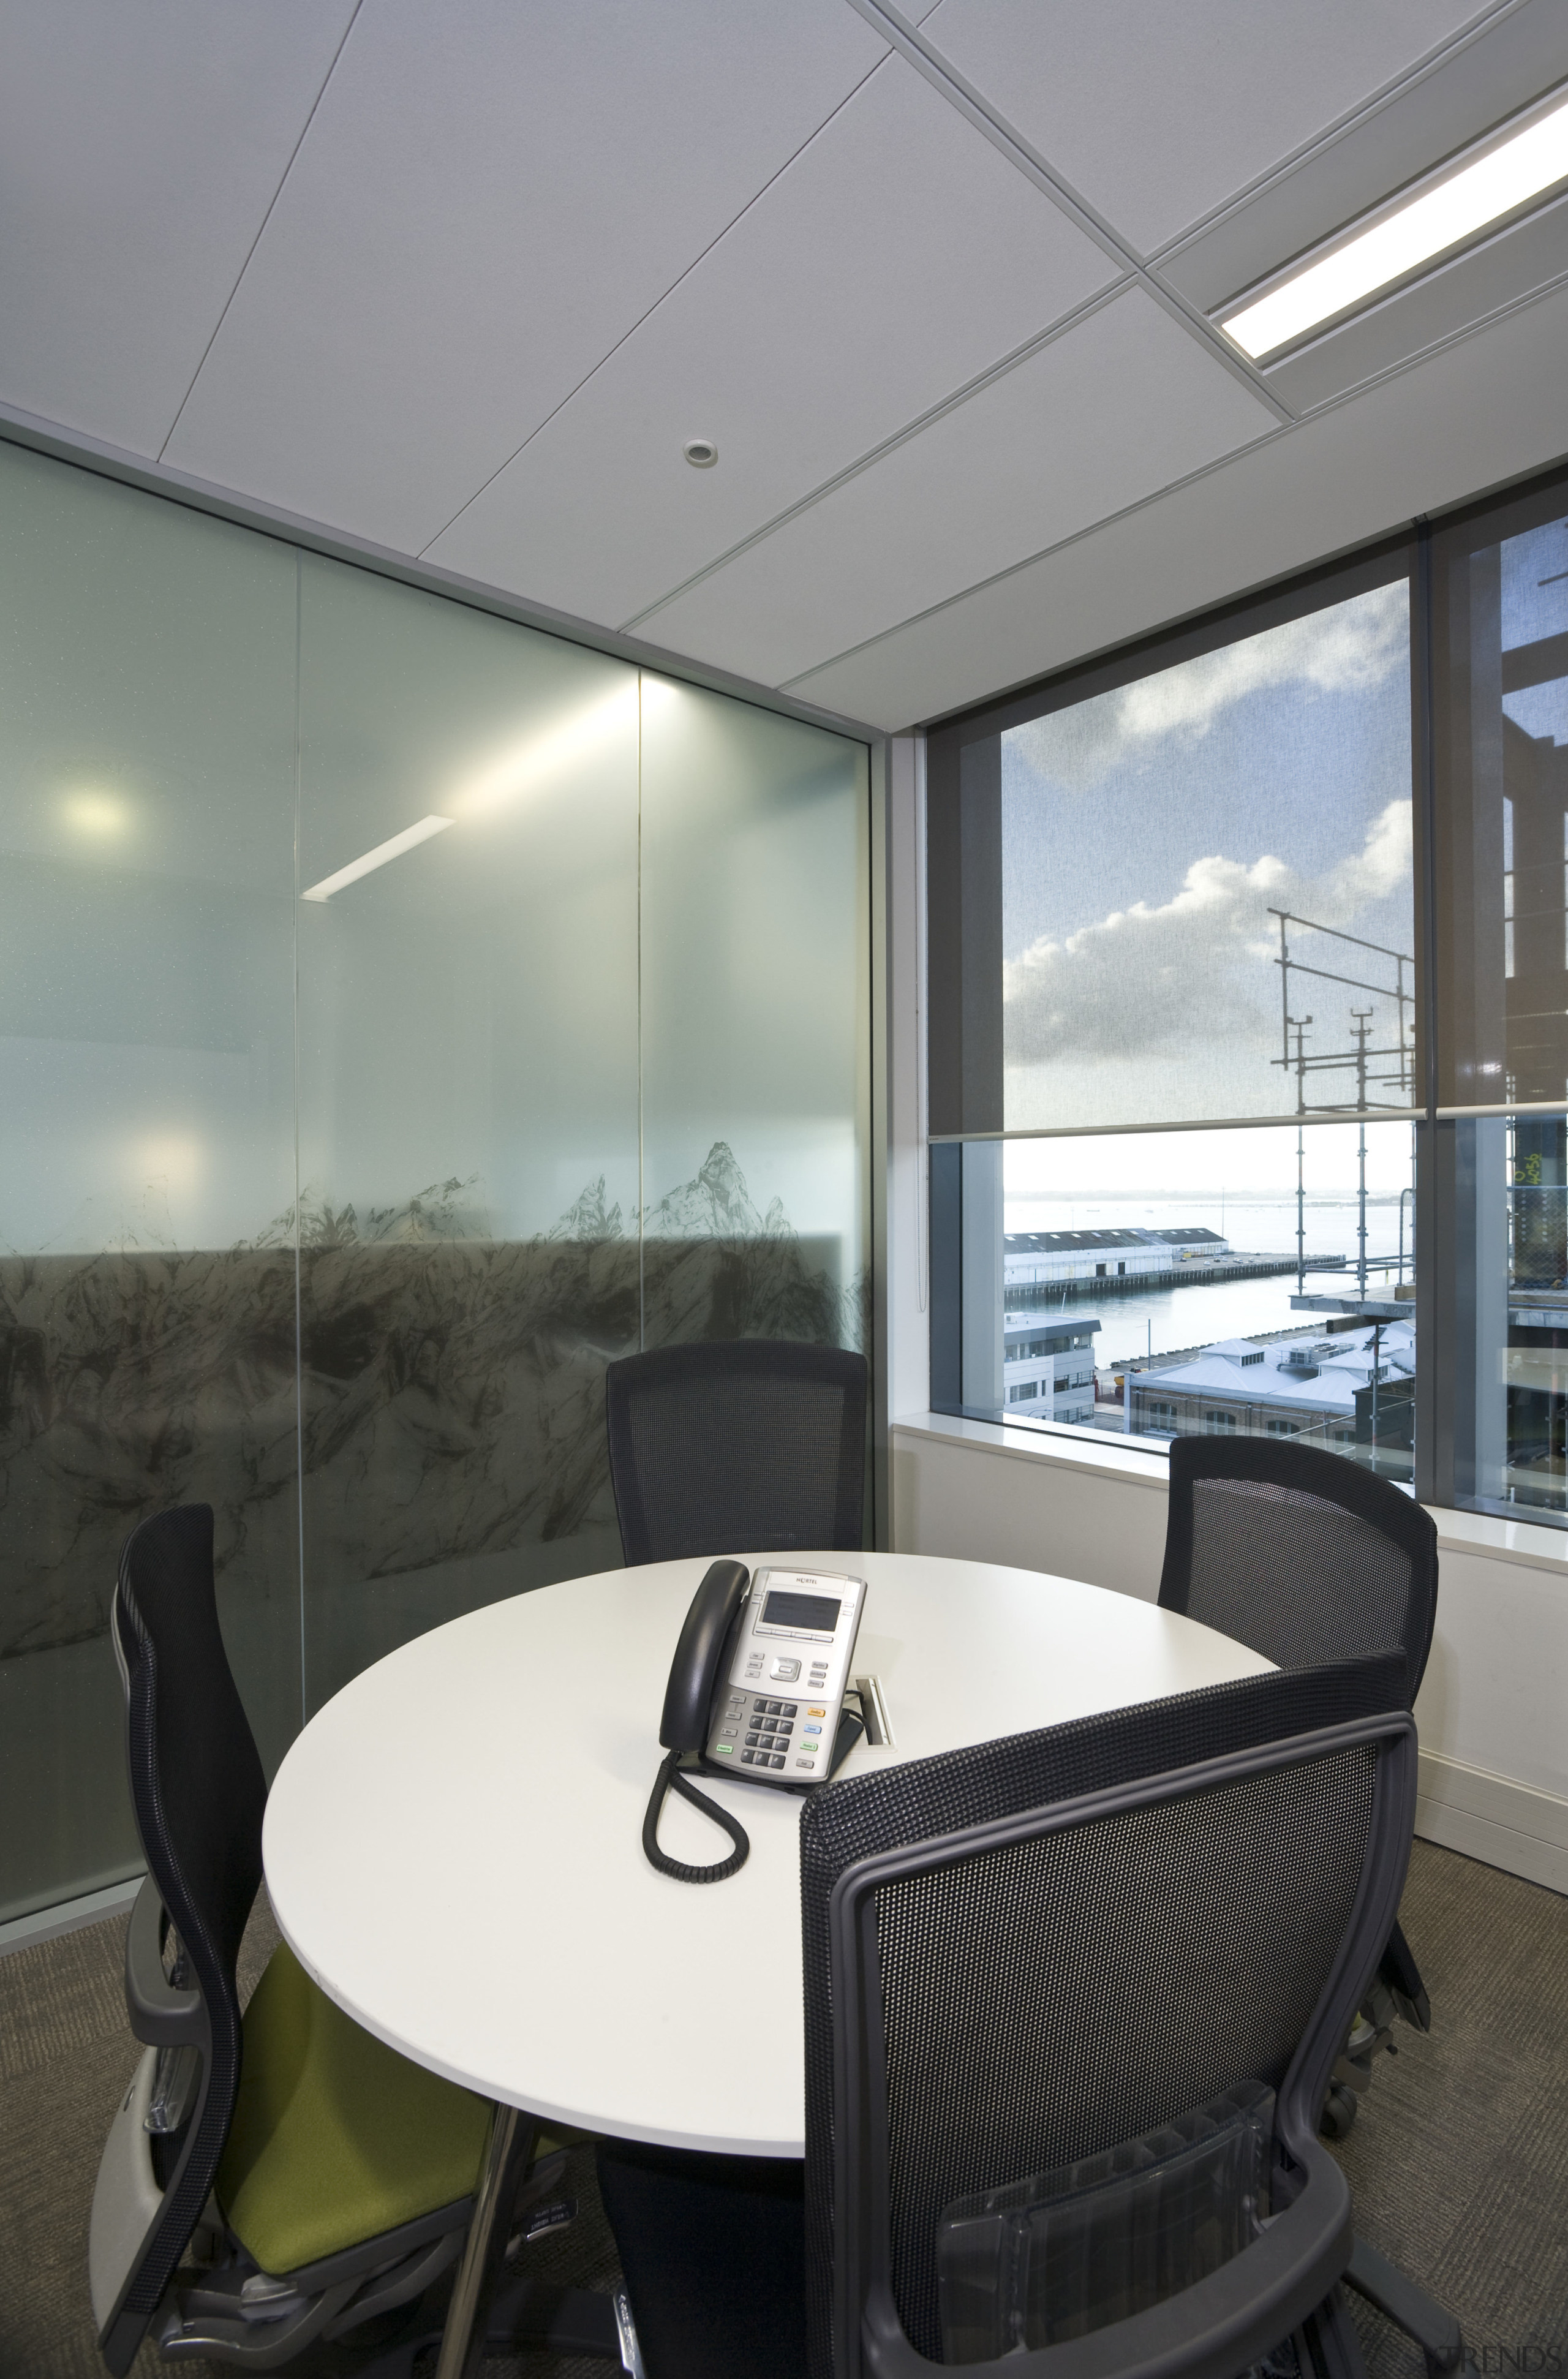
{"points": [[454, 1844]]}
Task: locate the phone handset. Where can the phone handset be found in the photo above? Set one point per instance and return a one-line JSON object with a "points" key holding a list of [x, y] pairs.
{"points": [[695, 1673]]}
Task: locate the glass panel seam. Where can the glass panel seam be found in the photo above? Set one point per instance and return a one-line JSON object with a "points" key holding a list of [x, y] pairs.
{"points": [[298, 1287], [641, 1193]]}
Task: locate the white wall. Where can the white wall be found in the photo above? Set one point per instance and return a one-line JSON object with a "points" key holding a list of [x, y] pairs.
{"points": [[1494, 1743]]}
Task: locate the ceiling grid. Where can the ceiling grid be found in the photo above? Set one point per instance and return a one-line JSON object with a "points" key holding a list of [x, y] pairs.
{"points": [[942, 282]]}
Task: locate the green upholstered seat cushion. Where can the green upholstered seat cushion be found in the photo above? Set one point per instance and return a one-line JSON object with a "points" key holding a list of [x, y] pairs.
{"points": [[335, 2137]]}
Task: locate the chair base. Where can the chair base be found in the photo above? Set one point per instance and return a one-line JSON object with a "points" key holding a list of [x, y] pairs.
{"points": [[523, 2313]]}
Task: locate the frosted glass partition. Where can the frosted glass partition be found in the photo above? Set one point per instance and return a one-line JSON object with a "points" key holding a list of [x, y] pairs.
{"points": [[147, 814], [405, 1013], [756, 1022], [468, 1103]]}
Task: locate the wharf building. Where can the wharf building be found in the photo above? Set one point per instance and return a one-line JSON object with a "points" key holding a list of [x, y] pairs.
{"points": [[1050, 1259], [1352, 1386], [1048, 1366]]}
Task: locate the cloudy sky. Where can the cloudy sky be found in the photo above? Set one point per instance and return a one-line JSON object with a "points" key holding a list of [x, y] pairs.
{"points": [[1146, 836]]}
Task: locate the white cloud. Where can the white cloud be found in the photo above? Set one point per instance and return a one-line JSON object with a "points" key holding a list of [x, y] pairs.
{"points": [[1196, 971], [1350, 646], [1380, 867]]}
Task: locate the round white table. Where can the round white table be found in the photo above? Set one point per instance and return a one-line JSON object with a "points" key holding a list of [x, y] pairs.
{"points": [[454, 1844]]}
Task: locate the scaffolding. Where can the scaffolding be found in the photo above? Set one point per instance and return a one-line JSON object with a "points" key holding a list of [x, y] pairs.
{"points": [[1386, 1066]]}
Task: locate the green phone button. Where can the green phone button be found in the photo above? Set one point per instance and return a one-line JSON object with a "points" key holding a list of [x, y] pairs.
{"points": [[723, 1750]]}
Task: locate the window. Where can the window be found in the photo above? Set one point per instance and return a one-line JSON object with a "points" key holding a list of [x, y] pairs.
{"points": [[1025, 1392], [1248, 983], [1176, 838]]}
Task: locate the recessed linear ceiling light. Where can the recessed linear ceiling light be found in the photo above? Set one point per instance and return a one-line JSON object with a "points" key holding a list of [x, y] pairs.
{"points": [[1411, 233], [409, 840]]}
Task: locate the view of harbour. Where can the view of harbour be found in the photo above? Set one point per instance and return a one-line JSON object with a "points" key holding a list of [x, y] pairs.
{"points": [[1141, 1323]]}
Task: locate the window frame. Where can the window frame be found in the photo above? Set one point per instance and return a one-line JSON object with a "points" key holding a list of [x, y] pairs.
{"points": [[963, 933]]}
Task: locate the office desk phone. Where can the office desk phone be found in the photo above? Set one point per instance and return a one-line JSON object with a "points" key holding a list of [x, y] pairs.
{"points": [[755, 1690], [777, 1711]]}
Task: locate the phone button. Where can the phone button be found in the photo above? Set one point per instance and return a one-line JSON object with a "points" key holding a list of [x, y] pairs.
{"points": [[725, 1751], [805, 1763], [777, 1760]]}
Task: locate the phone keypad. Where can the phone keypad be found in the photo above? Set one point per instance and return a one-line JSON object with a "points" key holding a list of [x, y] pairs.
{"points": [[765, 1734]]}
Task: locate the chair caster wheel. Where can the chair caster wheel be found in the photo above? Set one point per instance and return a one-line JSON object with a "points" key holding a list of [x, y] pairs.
{"points": [[1339, 2113]]}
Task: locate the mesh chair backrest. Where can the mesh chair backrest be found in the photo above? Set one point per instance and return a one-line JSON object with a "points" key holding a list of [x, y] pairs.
{"points": [[198, 1791], [1301, 1554], [1049, 2000], [751, 1444]]}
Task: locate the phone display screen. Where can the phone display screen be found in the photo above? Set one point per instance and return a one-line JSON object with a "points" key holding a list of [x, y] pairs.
{"points": [[818, 1611]]}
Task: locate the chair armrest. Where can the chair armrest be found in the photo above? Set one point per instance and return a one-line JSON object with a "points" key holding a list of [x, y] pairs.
{"points": [[159, 2014], [1217, 2326]]}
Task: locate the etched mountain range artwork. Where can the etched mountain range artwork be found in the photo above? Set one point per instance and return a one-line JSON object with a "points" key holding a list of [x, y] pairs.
{"points": [[438, 1393]]}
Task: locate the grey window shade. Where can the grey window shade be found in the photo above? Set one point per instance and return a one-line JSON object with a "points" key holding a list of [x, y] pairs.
{"points": [[1499, 669], [1119, 864]]}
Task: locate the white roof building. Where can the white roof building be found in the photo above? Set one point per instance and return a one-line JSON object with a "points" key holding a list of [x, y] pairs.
{"points": [[1287, 1384]]}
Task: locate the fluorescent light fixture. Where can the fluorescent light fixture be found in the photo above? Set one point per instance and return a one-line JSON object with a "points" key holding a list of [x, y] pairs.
{"points": [[409, 840], [1415, 231]]}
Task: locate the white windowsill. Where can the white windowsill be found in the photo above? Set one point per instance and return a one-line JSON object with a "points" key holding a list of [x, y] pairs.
{"points": [[1462, 1532], [1104, 1457]]}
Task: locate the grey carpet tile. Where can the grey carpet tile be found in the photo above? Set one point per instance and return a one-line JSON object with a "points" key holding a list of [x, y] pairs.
{"points": [[1458, 2160], [77, 1980], [1511, 2278]]}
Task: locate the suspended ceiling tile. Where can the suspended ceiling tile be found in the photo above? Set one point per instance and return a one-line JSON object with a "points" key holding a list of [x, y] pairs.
{"points": [[1483, 411], [891, 262], [1116, 407], [489, 198], [140, 151], [1158, 114]]}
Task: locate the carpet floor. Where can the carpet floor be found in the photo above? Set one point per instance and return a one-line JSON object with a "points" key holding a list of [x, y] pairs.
{"points": [[1458, 2160]]}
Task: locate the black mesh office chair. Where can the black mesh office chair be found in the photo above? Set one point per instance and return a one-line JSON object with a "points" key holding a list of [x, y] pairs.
{"points": [[1033, 1971], [307, 2178], [1308, 1557], [747, 1445]]}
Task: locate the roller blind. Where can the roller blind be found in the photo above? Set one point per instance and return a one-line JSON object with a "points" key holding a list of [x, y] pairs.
{"points": [[1500, 667], [1178, 888]]}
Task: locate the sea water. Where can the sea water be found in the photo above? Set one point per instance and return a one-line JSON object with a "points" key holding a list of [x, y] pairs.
{"points": [[1167, 1320]]}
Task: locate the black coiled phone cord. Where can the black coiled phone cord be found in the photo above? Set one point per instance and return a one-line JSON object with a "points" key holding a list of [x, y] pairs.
{"points": [[671, 1775]]}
